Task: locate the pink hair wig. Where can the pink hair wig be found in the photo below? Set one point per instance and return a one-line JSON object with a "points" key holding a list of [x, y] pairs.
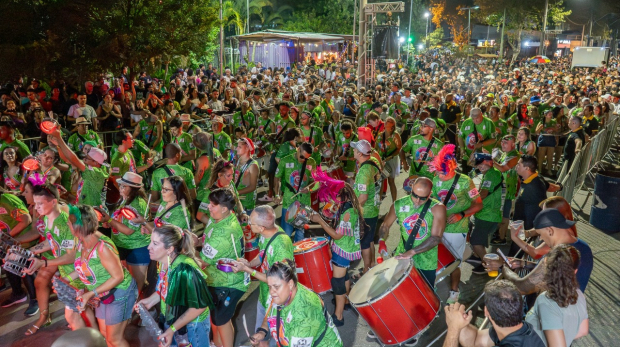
{"points": [[329, 188], [445, 161]]}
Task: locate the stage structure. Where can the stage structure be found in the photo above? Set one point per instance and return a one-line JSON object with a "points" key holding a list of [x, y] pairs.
{"points": [[368, 22]]}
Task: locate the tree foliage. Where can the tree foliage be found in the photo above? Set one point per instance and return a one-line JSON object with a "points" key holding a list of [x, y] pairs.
{"points": [[80, 38]]}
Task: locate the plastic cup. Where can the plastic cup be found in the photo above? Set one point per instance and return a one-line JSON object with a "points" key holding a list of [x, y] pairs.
{"points": [[518, 224], [493, 263]]}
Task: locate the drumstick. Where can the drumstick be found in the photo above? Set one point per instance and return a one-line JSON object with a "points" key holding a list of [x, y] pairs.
{"points": [[185, 214], [245, 325], [234, 246], [148, 206]]}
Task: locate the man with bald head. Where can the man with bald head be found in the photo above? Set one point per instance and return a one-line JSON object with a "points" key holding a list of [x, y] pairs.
{"points": [[274, 245], [419, 237]]}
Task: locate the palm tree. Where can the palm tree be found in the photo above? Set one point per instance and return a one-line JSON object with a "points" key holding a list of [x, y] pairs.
{"points": [[262, 14], [232, 17]]}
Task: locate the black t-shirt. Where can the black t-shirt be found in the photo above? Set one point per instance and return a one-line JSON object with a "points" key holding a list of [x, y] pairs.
{"points": [[571, 145], [590, 126], [524, 337], [527, 202], [449, 113]]}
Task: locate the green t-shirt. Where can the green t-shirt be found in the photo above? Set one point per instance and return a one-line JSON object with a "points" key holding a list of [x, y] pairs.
{"points": [[316, 113], [121, 163], [91, 187], [76, 141], [281, 125], [61, 240], [417, 146], [328, 108], [138, 150], [285, 149], [302, 321], [348, 246], [247, 200], [386, 145], [91, 271], [365, 184], [248, 120], [464, 193], [176, 170], [440, 131], [344, 143], [493, 182], [174, 216], [222, 142], [510, 177], [146, 132], [289, 171], [204, 202], [501, 130], [362, 113], [22, 149], [136, 239], [281, 248], [399, 110], [11, 208], [185, 142], [217, 245], [406, 216], [485, 130], [316, 140]]}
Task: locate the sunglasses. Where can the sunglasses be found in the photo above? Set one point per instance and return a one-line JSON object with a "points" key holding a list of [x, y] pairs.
{"points": [[421, 198]]}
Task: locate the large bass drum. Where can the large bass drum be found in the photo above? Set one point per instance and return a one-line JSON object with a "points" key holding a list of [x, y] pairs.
{"points": [[395, 301]]}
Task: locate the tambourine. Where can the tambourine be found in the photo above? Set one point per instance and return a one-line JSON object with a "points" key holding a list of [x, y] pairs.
{"points": [[31, 164], [48, 125]]}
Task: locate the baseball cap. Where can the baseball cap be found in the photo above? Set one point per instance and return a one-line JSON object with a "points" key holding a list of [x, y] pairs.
{"points": [[490, 95], [552, 218], [430, 122], [97, 155], [479, 158], [363, 146]]}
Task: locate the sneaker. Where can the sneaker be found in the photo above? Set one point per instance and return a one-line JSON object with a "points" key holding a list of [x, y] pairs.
{"points": [[266, 198], [13, 301], [337, 322], [474, 260], [453, 298], [266, 182], [33, 308], [498, 242], [371, 335], [259, 183], [479, 270], [410, 343]]}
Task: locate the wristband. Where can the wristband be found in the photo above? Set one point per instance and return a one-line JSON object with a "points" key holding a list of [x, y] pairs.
{"points": [[253, 273], [95, 292], [261, 329], [174, 330]]}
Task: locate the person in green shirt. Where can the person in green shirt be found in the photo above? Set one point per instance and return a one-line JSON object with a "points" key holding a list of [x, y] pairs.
{"points": [[547, 130], [123, 160], [223, 240], [204, 164], [506, 164], [126, 235], [343, 151], [298, 312], [316, 111], [501, 127], [98, 266], [389, 144], [221, 140], [274, 246], [349, 227], [492, 191], [365, 108], [460, 205], [184, 140], [221, 177], [245, 118], [246, 174], [294, 172], [312, 134], [328, 105], [406, 212], [150, 131], [399, 110], [172, 168], [83, 134], [418, 146], [476, 133], [182, 290], [367, 188], [7, 139]]}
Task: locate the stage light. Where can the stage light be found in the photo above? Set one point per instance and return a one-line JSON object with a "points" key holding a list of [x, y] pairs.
{"points": [[402, 39]]}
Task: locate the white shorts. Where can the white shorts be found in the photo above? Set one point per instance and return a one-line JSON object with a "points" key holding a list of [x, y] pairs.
{"points": [[456, 243], [394, 165], [263, 162]]}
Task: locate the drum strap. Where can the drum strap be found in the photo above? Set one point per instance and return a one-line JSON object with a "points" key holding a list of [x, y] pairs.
{"points": [[168, 171], [370, 162], [428, 149], [276, 140], [320, 338], [301, 175], [243, 170], [454, 182], [416, 227], [269, 244]]}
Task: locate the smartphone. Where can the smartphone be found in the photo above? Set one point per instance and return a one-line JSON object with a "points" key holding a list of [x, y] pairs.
{"points": [[501, 254]]}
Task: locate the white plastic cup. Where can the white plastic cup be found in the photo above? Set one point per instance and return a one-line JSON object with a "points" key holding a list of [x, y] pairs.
{"points": [[518, 224]]}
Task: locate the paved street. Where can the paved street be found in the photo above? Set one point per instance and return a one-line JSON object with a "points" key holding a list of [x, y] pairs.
{"points": [[603, 297]]}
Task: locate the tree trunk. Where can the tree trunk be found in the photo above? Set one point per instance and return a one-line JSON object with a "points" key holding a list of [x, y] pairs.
{"points": [[516, 50]]}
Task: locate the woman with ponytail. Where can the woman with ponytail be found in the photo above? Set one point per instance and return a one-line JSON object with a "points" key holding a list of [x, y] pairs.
{"points": [[296, 315], [221, 177], [181, 288], [348, 228]]}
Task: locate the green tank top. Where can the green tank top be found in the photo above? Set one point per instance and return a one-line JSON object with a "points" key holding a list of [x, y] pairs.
{"points": [[386, 145], [201, 187], [148, 133], [11, 208], [91, 271], [522, 150], [464, 193], [61, 240], [406, 216], [136, 239], [247, 200], [348, 246], [510, 176]]}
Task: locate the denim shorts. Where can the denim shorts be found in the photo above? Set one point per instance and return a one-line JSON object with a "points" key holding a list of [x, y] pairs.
{"points": [[136, 256], [340, 261], [121, 308], [197, 332]]}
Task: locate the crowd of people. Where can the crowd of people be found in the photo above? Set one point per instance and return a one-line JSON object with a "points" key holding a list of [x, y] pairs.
{"points": [[130, 174]]}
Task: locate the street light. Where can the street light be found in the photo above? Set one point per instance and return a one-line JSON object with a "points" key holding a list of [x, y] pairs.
{"points": [[427, 16], [402, 39], [469, 21]]}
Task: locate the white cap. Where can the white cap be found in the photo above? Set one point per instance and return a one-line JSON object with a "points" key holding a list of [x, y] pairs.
{"points": [[363, 146], [97, 155]]}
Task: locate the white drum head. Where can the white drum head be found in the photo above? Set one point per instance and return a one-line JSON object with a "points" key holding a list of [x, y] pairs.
{"points": [[379, 280]]}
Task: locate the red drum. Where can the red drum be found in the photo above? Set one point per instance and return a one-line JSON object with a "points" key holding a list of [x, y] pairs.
{"points": [[250, 253], [446, 262], [259, 151], [313, 262], [395, 301], [336, 172]]}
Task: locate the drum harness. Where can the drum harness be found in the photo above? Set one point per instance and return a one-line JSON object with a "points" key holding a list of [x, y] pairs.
{"points": [[301, 178], [414, 232], [428, 149], [387, 155], [242, 171]]}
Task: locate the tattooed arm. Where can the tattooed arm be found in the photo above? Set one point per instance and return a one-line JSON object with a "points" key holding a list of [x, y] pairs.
{"points": [[532, 283], [41, 248]]}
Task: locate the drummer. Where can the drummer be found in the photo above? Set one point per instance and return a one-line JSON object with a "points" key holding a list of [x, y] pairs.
{"points": [[428, 234], [226, 288], [246, 174], [294, 172], [245, 118], [273, 246], [221, 140], [296, 316], [346, 245], [345, 154], [171, 168], [184, 140], [207, 155], [418, 146], [313, 134]]}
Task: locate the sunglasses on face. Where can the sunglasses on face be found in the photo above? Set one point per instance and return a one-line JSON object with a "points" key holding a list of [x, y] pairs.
{"points": [[421, 198]]}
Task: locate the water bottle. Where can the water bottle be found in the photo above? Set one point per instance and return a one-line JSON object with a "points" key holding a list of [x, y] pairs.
{"points": [[227, 302], [383, 254]]}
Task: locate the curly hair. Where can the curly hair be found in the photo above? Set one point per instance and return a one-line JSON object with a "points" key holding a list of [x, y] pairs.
{"points": [[560, 277], [347, 193]]}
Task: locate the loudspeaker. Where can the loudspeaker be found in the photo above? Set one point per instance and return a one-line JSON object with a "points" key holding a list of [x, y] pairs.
{"points": [[385, 42]]}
